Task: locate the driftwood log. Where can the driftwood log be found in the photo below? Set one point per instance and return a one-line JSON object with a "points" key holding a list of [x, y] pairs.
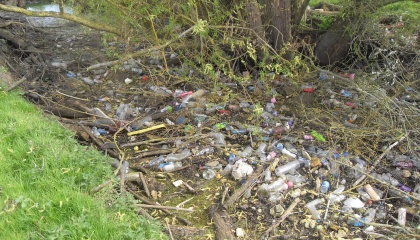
{"points": [[221, 222]]}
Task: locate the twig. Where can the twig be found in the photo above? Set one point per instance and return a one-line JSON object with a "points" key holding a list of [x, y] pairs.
{"points": [[101, 186], [286, 213], [191, 189], [137, 196], [224, 194], [142, 52], [145, 214], [16, 84], [144, 183], [83, 99], [89, 132], [249, 183], [184, 202], [164, 207], [169, 229]]}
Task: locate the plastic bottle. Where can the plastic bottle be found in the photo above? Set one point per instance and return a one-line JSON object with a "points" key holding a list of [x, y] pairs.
{"points": [[334, 168], [317, 136], [219, 138], [336, 195], [246, 152], [209, 174], [156, 161], [260, 152], [267, 175], [206, 150], [271, 155], [293, 165], [228, 169], [278, 185], [178, 156], [288, 153], [170, 166], [136, 125], [296, 179], [386, 177]]}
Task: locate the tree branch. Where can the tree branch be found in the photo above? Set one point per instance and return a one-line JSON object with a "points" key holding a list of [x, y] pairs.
{"points": [[63, 15]]}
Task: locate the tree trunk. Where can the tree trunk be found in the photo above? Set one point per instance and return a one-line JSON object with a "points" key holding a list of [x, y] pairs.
{"points": [[334, 45], [298, 10], [255, 23], [281, 22]]}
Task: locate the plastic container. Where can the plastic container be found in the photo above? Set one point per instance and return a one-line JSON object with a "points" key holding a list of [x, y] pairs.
{"points": [[293, 165]]}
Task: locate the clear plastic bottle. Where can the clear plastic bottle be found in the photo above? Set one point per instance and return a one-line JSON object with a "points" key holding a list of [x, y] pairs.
{"points": [[260, 152], [209, 174], [386, 177], [178, 156], [136, 125], [219, 138], [206, 150], [246, 152], [171, 166], [278, 185], [156, 161], [293, 165]]}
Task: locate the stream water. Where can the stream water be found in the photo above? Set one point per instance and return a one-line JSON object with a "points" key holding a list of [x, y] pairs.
{"points": [[47, 6], [49, 22]]}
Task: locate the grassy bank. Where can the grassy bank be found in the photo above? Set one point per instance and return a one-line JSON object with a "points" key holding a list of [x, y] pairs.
{"points": [[45, 178]]}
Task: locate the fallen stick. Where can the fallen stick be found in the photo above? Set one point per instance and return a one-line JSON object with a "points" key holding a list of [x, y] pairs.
{"points": [[144, 183], [283, 217], [145, 214], [101, 186], [249, 183], [169, 229], [164, 207], [221, 220], [138, 197]]}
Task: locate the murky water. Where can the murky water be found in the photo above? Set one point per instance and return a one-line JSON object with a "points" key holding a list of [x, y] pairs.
{"points": [[47, 6], [47, 21]]}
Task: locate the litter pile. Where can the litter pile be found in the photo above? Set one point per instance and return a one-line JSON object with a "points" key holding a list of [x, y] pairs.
{"points": [[260, 164]]}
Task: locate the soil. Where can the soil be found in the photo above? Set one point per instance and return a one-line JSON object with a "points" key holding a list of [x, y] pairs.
{"points": [[61, 86]]}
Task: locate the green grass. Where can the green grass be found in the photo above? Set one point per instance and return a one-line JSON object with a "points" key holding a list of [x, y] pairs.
{"points": [[316, 2], [45, 178]]}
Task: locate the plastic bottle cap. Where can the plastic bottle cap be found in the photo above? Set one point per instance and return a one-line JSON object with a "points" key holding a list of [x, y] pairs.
{"points": [[290, 184]]}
